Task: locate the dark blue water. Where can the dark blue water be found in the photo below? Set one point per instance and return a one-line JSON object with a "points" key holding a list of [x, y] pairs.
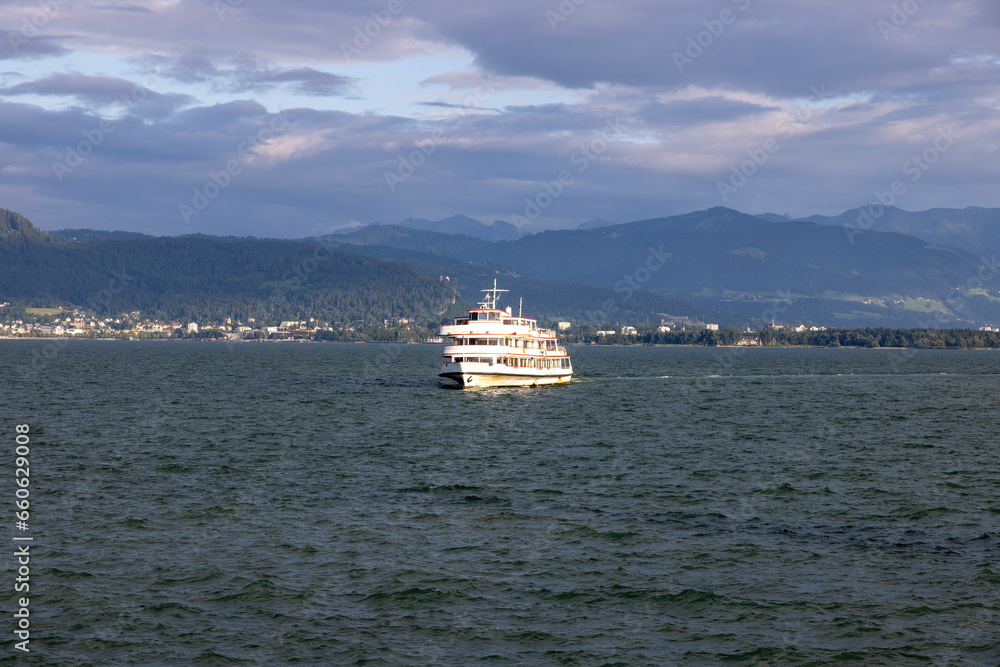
{"points": [[201, 503]]}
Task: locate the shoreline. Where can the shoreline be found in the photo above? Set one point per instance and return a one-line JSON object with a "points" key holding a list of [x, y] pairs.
{"points": [[389, 342]]}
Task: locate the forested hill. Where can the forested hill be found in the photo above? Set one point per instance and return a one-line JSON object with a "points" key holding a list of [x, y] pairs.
{"points": [[552, 300], [716, 265], [198, 279], [726, 260], [973, 229]]}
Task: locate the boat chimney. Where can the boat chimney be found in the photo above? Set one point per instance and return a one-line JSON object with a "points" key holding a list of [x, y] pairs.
{"points": [[509, 310]]}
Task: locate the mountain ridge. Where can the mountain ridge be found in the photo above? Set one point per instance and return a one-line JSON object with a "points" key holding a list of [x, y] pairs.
{"points": [[714, 261]]}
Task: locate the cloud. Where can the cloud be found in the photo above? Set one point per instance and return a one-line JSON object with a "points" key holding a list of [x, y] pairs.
{"points": [[561, 74], [243, 74], [122, 7], [305, 80], [14, 45], [98, 91], [700, 110]]}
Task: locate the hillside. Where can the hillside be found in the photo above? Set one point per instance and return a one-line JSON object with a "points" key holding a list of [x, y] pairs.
{"points": [[461, 224], [396, 236], [716, 265], [88, 234], [724, 259], [549, 300], [973, 229], [195, 279], [500, 230]]}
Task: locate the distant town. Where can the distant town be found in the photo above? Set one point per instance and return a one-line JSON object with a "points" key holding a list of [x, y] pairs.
{"points": [[76, 323], [60, 323]]}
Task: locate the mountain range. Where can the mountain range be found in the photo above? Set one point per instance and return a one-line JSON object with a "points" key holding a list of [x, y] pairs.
{"points": [[199, 279], [458, 224], [729, 261], [903, 269], [973, 229]]}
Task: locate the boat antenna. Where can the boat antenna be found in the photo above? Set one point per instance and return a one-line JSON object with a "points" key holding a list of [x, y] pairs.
{"points": [[490, 300], [520, 302]]}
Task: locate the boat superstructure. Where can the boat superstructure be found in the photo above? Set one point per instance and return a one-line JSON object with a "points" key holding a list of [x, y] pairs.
{"points": [[495, 348]]}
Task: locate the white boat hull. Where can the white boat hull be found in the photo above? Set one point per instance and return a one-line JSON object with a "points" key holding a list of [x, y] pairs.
{"points": [[471, 380]]}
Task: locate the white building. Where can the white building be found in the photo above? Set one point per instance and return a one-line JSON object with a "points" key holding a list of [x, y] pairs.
{"points": [[192, 327], [562, 325], [712, 327], [629, 331]]}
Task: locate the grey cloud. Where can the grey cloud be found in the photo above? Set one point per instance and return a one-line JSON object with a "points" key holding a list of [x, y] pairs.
{"points": [[15, 45], [305, 80], [485, 167], [701, 110], [689, 126], [183, 69], [776, 46], [450, 105], [102, 90], [554, 108], [243, 74], [122, 7]]}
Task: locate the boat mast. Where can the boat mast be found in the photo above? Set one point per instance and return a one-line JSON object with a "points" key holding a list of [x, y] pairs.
{"points": [[490, 300]]}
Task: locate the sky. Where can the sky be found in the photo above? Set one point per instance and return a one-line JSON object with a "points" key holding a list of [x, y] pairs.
{"points": [[296, 118]]}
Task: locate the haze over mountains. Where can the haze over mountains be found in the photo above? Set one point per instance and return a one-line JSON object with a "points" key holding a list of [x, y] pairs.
{"points": [[973, 229], [902, 269], [499, 230]]}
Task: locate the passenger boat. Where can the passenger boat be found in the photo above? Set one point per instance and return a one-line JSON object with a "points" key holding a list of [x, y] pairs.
{"points": [[494, 348]]}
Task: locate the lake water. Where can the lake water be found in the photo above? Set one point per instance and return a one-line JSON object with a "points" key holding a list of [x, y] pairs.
{"points": [[211, 503]]}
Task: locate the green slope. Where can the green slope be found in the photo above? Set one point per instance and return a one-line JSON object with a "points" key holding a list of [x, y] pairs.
{"points": [[195, 279], [727, 260]]}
